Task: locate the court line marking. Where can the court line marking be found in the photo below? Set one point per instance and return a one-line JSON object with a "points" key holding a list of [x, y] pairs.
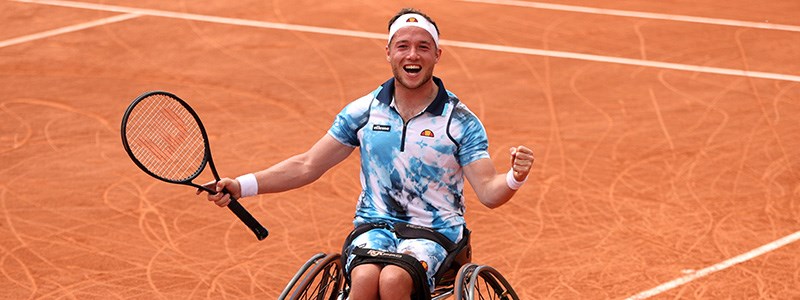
{"points": [[639, 14], [381, 36], [718, 267], [67, 29], [624, 61]]}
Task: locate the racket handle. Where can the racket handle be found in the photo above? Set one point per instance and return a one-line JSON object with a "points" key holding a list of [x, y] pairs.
{"points": [[248, 219]]}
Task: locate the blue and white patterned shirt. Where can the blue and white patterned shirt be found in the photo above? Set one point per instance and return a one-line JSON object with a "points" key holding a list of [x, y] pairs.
{"points": [[412, 171]]}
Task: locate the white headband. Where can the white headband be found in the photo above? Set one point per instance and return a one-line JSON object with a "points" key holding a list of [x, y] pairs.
{"points": [[415, 20]]}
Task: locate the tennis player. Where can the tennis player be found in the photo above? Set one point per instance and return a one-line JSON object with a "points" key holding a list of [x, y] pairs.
{"points": [[417, 142]]}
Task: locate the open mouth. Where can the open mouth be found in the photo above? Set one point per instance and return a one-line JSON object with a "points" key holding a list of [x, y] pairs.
{"points": [[412, 69]]}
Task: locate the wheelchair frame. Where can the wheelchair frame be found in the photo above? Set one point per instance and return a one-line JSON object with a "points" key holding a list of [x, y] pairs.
{"points": [[323, 279]]}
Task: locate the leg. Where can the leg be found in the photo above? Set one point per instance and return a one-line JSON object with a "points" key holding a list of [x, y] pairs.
{"points": [[364, 282], [372, 280], [364, 279], [395, 283], [390, 282], [430, 254]]}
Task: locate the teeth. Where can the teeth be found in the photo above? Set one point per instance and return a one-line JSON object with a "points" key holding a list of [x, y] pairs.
{"points": [[413, 67]]}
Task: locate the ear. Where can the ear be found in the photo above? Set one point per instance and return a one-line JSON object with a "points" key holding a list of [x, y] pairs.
{"points": [[388, 58], [438, 54]]}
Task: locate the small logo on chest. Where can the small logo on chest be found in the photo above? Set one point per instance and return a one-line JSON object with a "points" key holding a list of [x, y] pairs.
{"points": [[378, 127], [427, 133]]}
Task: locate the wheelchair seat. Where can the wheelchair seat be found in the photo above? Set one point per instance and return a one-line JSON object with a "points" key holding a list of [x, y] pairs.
{"points": [[323, 277], [462, 255], [459, 254]]}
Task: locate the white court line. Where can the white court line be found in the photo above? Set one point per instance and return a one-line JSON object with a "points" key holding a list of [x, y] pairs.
{"points": [[207, 18], [381, 36], [718, 267], [67, 29], [638, 14], [624, 61]]}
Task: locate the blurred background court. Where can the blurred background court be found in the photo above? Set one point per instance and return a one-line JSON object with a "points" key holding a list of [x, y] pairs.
{"points": [[666, 135]]}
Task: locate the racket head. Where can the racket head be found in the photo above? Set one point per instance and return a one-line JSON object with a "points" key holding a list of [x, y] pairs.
{"points": [[165, 138]]}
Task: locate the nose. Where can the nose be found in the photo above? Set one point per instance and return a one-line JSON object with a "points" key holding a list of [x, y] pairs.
{"points": [[413, 53]]}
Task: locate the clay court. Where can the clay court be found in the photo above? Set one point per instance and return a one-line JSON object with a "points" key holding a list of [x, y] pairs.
{"points": [[666, 136]]}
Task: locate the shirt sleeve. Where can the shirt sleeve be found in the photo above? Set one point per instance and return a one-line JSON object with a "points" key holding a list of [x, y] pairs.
{"points": [[473, 141], [349, 121]]}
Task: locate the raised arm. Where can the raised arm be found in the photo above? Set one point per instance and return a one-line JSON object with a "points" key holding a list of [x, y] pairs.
{"points": [[495, 189]]}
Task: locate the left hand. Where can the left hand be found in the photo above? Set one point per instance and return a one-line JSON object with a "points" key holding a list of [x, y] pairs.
{"points": [[521, 162]]}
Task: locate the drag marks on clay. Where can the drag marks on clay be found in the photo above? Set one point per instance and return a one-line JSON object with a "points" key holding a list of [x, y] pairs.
{"points": [[637, 28], [327, 57], [606, 122], [187, 249], [65, 237], [219, 41], [690, 140], [12, 273], [762, 103], [15, 132], [643, 174], [660, 119]]}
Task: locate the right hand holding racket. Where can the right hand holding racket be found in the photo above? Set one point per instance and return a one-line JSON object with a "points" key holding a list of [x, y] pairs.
{"points": [[226, 188]]}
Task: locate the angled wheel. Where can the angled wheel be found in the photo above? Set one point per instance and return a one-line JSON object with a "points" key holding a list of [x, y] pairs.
{"points": [[322, 280], [482, 282]]}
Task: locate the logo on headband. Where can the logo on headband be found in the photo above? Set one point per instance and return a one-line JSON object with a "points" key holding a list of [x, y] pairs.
{"points": [[411, 20]]}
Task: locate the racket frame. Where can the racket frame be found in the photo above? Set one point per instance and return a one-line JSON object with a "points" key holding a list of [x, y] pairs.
{"points": [[208, 160]]}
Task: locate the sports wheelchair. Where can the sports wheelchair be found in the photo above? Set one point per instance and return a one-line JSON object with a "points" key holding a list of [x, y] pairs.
{"points": [[322, 277]]}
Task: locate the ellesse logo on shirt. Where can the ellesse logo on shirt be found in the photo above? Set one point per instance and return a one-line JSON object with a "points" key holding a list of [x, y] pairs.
{"points": [[378, 127]]}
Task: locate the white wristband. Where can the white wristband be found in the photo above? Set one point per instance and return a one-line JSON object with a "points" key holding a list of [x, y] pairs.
{"points": [[248, 185], [512, 182]]}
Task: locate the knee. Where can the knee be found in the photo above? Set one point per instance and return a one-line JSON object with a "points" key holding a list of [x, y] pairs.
{"points": [[397, 281], [365, 273], [364, 282]]}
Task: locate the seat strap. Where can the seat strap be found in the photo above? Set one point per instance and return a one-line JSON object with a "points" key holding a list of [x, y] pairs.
{"points": [[410, 231], [405, 261], [405, 231]]}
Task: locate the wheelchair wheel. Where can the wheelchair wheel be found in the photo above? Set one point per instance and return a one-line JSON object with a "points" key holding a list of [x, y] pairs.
{"points": [[482, 282], [323, 279]]}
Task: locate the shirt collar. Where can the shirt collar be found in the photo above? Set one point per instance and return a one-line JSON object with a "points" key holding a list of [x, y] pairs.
{"points": [[436, 107]]}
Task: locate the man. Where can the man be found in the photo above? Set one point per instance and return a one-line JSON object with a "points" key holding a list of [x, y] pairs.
{"points": [[417, 143]]}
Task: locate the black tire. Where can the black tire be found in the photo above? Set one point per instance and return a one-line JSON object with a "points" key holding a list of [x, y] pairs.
{"points": [[477, 282], [323, 281]]}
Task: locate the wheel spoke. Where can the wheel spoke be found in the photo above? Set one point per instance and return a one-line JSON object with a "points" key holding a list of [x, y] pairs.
{"points": [[484, 283], [322, 282]]}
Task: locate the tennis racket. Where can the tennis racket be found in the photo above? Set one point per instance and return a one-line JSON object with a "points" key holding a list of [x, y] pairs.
{"points": [[164, 137]]}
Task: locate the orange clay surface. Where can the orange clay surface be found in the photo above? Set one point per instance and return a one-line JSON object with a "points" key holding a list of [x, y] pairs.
{"points": [[642, 173]]}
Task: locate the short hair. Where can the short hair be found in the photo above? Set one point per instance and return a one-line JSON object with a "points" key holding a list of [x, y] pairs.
{"points": [[409, 10]]}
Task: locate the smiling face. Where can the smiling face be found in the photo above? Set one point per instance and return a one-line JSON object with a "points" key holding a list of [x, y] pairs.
{"points": [[412, 53]]}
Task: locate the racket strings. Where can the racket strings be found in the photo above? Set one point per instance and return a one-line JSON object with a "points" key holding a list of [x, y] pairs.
{"points": [[165, 137]]}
